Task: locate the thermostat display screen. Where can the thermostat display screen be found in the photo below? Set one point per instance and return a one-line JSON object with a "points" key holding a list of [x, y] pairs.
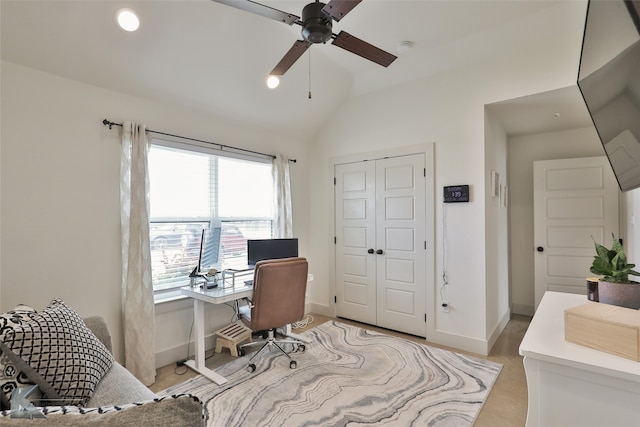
{"points": [[456, 193]]}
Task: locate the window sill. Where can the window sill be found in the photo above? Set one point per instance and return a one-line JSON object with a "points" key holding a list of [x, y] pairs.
{"points": [[165, 297]]}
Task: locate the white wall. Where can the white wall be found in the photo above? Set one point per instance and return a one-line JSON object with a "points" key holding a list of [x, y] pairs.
{"points": [[447, 109], [60, 201], [523, 151], [497, 229], [630, 229]]}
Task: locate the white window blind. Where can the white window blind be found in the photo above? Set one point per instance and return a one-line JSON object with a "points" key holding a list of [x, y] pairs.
{"points": [[192, 190]]}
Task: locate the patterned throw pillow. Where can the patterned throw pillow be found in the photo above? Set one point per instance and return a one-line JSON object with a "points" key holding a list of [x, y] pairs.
{"points": [[11, 377], [59, 353]]}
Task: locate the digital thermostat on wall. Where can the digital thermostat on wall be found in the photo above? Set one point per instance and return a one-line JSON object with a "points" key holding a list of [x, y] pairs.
{"points": [[456, 193]]}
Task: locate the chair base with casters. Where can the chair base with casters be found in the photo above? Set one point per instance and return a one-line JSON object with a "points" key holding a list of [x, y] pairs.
{"points": [[270, 343]]}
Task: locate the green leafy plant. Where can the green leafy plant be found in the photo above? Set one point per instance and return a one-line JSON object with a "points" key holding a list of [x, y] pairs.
{"points": [[611, 264]]}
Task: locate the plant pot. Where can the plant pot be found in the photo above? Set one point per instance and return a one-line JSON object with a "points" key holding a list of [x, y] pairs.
{"points": [[620, 294]]}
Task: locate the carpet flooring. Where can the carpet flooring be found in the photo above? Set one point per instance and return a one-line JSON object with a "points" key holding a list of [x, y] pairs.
{"points": [[348, 376]]}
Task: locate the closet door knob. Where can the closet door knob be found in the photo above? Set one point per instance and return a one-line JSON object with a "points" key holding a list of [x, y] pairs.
{"points": [[379, 251], [370, 251], [540, 249]]}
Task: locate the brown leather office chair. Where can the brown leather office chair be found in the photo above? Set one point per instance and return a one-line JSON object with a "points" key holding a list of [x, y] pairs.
{"points": [[279, 288]]}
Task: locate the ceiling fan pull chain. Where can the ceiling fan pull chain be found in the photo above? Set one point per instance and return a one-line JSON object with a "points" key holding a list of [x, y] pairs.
{"points": [[309, 73]]}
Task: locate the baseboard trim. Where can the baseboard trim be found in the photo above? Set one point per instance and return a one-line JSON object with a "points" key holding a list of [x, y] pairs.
{"points": [[522, 309], [322, 309], [173, 354], [493, 337]]}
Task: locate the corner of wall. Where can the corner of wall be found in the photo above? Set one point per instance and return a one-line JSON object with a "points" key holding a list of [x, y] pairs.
{"points": [[493, 337]]}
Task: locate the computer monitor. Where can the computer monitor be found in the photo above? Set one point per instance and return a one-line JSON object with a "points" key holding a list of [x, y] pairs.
{"points": [[261, 249], [209, 251]]}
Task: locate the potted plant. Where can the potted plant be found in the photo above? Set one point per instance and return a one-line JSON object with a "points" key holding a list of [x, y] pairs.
{"points": [[614, 286]]}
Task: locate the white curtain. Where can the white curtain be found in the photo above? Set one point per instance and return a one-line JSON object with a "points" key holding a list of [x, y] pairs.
{"points": [[283, 226], [137, 289]]}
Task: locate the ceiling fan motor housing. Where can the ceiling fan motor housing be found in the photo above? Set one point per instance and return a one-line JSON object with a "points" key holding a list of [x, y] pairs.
{"points": [[316, 25]]}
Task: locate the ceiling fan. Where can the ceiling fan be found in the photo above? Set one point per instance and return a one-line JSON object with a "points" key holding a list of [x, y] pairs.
{"points": [[316, 23]]}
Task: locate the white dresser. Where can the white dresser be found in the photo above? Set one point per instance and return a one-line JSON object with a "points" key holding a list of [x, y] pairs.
{"points": [[572, 385]]}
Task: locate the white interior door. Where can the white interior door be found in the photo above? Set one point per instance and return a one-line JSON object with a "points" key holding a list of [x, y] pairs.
{"points": [[380, 242], [355, 237], [575, 202], [400, 235]]}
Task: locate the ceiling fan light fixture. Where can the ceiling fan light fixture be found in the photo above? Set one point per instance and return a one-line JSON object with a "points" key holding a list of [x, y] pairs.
{"points": [[273, 82], [127, 19]]}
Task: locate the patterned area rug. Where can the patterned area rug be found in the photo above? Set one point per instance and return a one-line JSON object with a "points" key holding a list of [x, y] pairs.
{"points": [[349, 376]]}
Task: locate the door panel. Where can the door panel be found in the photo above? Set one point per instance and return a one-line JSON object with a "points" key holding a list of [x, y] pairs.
{"points": [[575, 207], [355, 235], [400, 239], [400, 301], [575, 202], [400, 233]]}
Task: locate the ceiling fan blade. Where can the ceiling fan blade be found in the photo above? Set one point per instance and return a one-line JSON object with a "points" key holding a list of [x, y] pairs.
{"points": [[337, 9], [363, 49], [296, 51], [261, 9]]}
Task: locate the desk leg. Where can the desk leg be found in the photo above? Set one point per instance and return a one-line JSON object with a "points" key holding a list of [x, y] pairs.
{"points": [[198, 364]]}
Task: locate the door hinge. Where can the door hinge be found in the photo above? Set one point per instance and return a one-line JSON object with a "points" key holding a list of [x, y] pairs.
{"points": [[425, 318], [335, 299], [334, 180], [335, 240], [425, 172], [425, 245]]}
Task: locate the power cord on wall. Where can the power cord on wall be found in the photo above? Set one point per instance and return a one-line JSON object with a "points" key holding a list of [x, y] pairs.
{"points": [[181, 363], [445, 280]]}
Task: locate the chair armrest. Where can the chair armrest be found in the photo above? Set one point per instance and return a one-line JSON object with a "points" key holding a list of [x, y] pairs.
{"points": [[100, 329]]}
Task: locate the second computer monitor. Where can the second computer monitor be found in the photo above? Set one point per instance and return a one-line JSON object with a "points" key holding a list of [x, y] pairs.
{"points": [[258, 250]]}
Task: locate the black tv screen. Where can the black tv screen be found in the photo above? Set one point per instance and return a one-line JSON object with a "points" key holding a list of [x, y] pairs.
{"points": [[609, 80], [259, 250]]}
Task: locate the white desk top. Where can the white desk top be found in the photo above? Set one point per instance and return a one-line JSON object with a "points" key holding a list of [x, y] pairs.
{"points": [[218, 295], [544, 340]]}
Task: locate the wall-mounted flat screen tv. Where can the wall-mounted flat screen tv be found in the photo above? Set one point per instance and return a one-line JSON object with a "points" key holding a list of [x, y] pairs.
{"points": [[609, 80]]}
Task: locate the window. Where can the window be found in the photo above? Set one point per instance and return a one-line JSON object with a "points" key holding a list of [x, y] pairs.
{"points": [[191, 190]]}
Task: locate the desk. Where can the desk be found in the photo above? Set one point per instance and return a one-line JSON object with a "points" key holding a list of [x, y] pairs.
{"points": [[572, 385], [219, 295]]}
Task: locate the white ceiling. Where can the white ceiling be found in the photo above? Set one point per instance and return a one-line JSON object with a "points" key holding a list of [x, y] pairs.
{"points": [[215, 58], [551, 111]]}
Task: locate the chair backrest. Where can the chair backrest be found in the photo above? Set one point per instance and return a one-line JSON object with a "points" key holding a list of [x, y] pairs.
{"points": [[279, 288]]}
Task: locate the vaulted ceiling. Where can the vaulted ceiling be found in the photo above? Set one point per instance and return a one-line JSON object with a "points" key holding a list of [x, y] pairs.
{"points": [[211, 57]]}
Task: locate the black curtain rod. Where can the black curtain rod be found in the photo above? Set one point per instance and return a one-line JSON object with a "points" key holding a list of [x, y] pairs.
{"points": [[109, 123]]}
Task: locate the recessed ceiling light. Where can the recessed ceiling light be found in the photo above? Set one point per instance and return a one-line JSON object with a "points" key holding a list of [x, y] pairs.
{"points": [[127, 19], [404, 46], [273, 82]]}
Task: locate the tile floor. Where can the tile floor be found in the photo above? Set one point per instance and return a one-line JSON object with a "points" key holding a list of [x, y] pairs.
{"points": [[507, 402]]}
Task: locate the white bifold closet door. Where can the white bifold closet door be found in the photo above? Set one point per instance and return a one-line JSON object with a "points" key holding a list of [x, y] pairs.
{"points": [[380, 242]]}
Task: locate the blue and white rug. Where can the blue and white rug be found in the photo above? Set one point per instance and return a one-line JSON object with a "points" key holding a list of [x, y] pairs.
{"points": [[349, 376]]}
